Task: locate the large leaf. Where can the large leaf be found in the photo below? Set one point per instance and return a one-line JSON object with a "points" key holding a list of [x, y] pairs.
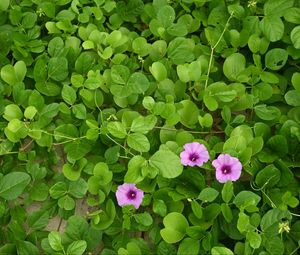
{"points": [[167, 163], [13, 184], [234, 65]]}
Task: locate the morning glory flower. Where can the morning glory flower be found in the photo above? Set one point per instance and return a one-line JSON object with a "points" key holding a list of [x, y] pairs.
{"points": [[129, 194], [194, 154], [228, 168]]}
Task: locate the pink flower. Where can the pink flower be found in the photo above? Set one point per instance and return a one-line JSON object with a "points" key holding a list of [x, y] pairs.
{"points": [[194, 154], [227, 168], [129, 194]]}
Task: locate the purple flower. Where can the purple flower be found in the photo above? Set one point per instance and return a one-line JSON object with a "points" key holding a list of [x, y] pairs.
{"points": [[227, 168], [194, 154], [129, 194]]}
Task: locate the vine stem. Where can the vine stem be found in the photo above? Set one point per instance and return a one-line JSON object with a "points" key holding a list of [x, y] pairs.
{"points": [[213, 49], [113, 140]]}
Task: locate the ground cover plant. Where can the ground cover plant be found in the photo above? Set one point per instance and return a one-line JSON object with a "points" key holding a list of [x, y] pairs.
{"points": [[149, 127]]}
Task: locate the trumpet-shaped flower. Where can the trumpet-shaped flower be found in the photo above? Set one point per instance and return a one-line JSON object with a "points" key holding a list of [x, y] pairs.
{"points": [[129, 194], [227, 168], [194, 154]]}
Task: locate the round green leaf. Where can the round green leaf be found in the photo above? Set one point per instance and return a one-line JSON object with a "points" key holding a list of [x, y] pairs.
{"points": [[167, 163], [138, 142], [234, 65], [208, 195], [295, 37], [272, 27], [292, 97], [13, 184], [12, 111], [158, 71], [175, 227], [268, 177], [276, 58]]}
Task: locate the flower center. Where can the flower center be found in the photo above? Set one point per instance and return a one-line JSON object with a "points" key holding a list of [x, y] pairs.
{"points": [[193, 157], [131, 194], [226, 169]]}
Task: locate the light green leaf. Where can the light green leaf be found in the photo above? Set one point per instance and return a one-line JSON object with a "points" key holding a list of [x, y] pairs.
{"points": [[58, 68], [272, 27], [77, 247], [295, 37], [138, 142], [167, 163], [68, 94], [117, 129], [13, 184], [234, 65]]}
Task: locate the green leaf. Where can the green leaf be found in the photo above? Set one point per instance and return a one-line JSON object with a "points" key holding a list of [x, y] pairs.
{"points": [[159, 207], [175, 227], [197, 209], [134, 172], [267, 177], [55, 241], [68, 94], [267, 112], [38, 219], [119, 74], [143, 219], [13, 184], [30, 112], [4, 5], [233, 66], [254, 239], [138, 83], [276, 58], [227, 213], [208, 195], [26, 248], [274, 245], [78, 188], [102, 172], [227, 191], [277, 8], [14, 74], [166, 16], [12, 111], [70, 173], [56, 47], [58, 68], [66, 202], [217, 250], [246, 198], [295, 37], [279, 145], [138, 142], [117, 129], [77, 247], [58, 190], [188, 112], [143, 124], [189, 246], [272, 27], [167, 163], [159, 71], [180, 50]]}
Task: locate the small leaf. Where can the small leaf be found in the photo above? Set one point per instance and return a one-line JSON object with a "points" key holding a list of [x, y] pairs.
{"points": [[208, 195]]}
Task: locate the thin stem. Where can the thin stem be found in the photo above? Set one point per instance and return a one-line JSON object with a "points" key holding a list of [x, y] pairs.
{"points": [[293, 252], [113, 140], [213, 48]]}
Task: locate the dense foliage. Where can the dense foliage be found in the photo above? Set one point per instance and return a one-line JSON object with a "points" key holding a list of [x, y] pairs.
{"points": [[95, 94]]}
